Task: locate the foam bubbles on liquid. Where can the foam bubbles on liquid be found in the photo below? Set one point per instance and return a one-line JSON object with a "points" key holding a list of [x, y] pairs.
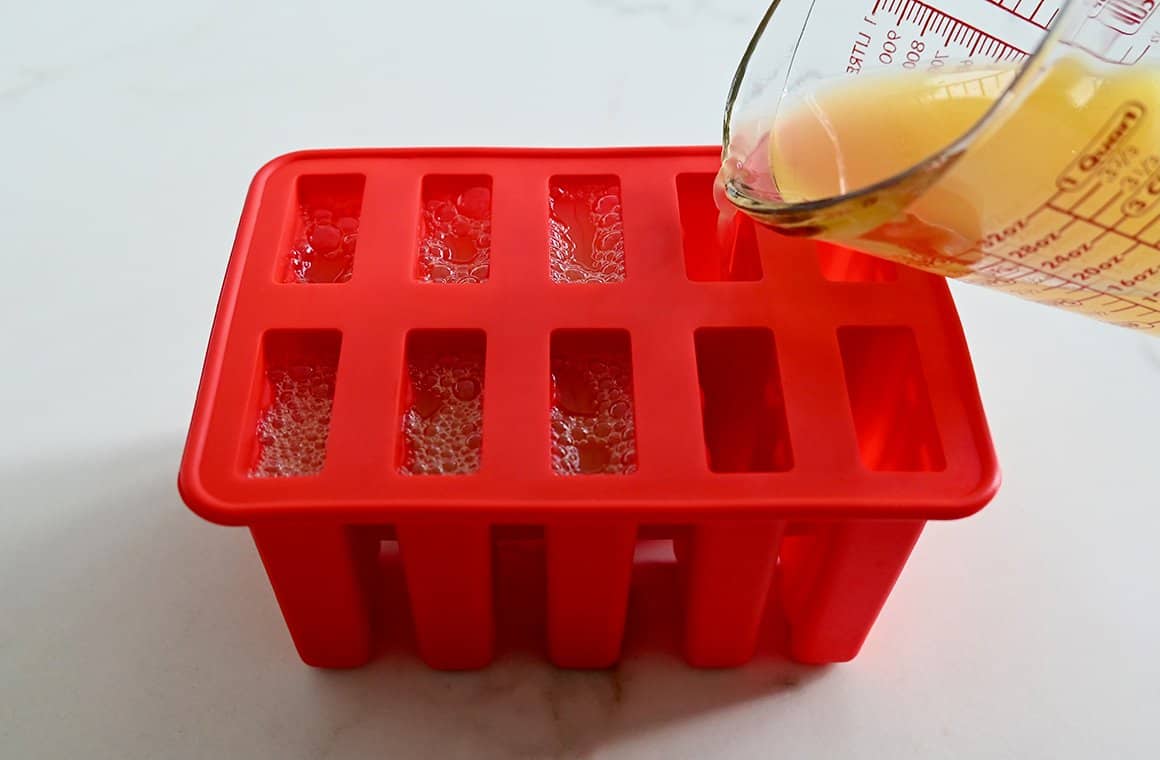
{"points": [[455, 244], [593, 430], [443, 425], [325, 246], [586, 233], [292, 430]]}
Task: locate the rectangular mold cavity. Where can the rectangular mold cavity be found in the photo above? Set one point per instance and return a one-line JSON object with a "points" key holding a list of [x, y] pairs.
{"points": [[298, 379], [840, 264], [593, 412], [708, 258], [586, 230], [889, 399], [326, 233], [455, 230], [442, 410], [742, 407]]}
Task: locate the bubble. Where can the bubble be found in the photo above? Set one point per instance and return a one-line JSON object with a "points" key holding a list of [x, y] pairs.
{"points": [[475, 202], [442, 211], [325, 238], [606, 204], [610, 241], [460, 227], [466, 389]]}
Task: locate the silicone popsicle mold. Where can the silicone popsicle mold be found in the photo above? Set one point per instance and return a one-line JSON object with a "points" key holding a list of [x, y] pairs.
{"points": [[435, 345]]}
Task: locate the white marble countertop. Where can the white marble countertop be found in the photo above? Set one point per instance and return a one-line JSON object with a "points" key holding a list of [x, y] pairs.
{"points": [[131, 629]]}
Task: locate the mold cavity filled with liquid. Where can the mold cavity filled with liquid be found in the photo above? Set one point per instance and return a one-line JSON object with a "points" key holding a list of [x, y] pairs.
{"points": [[326, 236], [592, 416], [443, 406], [294, 418], [586, 230], [455, 230]]}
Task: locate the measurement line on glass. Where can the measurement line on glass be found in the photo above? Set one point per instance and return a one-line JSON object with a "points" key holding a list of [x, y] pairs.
{"points": [[995, 29], [1141, 314], [1007, 271], [1030, 18]]}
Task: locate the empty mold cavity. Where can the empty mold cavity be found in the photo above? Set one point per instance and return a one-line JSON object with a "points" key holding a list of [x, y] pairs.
{"points": [[892, 411], [840, 264], [455, 230], [593, 427], [297, 395], [443, 402], [586, 229], [742, 406], [712, 255], [326, 234]]}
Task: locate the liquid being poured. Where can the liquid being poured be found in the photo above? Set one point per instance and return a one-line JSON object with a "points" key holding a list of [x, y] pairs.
{"points": [[443, 425], [593, 430], [1058, 200], [586, 232]]}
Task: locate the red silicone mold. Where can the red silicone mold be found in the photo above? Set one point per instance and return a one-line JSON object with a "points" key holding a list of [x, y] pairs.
{"points": [[436, 346]]}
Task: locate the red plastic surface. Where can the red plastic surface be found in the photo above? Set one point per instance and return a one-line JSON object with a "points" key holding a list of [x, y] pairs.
{"points": [[795, 412]]}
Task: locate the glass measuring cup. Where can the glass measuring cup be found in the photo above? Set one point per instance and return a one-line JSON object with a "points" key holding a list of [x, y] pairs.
{"points": [[1011, 143]]}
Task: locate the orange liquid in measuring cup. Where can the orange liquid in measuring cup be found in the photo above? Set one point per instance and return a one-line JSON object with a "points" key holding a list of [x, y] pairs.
{"points": [[1059, 202]]}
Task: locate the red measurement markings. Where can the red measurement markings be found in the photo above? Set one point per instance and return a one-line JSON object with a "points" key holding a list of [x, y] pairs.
{"points": [[1015, 12], [949, 27]]}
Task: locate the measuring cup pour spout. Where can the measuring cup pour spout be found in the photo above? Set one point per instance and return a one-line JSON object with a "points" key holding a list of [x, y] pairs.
{"points": [[1015, 146]]}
